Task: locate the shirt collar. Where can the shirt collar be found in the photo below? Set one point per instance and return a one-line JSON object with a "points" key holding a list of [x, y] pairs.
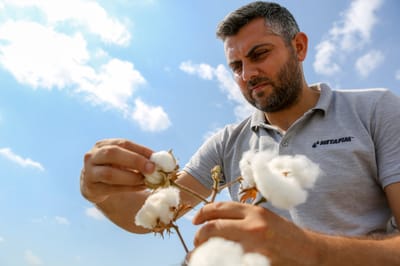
{"points": [[258, 118]]}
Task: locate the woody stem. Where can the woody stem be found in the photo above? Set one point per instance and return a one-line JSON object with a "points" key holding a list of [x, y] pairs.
{"points": [[180, 238], [238, 179], [191, 192]]}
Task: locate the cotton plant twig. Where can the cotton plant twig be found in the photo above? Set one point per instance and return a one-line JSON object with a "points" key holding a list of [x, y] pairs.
{"points": [[176, 228], [216, 177], [188, 190], [229, 184]]}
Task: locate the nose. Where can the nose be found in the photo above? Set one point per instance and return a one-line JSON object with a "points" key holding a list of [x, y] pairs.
{"points": [[249, 71]]}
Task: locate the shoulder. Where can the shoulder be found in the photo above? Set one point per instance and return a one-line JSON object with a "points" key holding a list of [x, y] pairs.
{"points": [[232, 130], [370, 95], [365, 100]]}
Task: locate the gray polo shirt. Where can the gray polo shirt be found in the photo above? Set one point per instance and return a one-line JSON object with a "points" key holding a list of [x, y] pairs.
{"points": [[353, 135]]}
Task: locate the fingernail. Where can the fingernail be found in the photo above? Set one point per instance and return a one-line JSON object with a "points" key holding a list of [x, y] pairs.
{"points": [[149, 167]]}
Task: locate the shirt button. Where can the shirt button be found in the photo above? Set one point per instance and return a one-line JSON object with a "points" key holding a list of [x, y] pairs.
{"points": [[285, 143]]}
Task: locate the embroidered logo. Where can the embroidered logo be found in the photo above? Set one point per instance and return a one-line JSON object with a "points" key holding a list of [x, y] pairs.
{"points": [[332, 141]]}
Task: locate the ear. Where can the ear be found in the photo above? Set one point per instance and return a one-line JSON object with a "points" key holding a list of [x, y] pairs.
{"points": [[300, 44]]}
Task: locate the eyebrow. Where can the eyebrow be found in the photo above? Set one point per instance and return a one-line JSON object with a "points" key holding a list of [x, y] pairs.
{"points": [[250, 53]]}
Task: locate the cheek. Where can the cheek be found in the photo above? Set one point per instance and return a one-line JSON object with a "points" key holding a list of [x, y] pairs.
{"points": [[239, 81], [243, 88]]}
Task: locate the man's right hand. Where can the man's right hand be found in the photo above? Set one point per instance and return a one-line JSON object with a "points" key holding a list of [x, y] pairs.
{"points": [[114, 166]]}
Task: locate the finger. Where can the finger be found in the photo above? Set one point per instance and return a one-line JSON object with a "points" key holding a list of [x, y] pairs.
{"points": [[227, 229], [126, 144], [119, 157], [98, 192], [111, 175], [219, 210]]}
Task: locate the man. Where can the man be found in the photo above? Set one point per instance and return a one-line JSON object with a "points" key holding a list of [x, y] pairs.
{"points": [[352, 135]]}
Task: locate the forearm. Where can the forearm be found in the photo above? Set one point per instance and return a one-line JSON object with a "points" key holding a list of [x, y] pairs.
{"points": [[336, 250]]}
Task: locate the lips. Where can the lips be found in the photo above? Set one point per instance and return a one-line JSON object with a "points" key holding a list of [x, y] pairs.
{"points": [[258, 87]]}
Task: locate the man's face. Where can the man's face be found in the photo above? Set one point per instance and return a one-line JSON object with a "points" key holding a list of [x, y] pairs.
{"points": [[266, 70]]}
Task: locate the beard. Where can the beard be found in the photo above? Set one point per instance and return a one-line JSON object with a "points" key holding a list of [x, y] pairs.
{"points": [[286, 89]]}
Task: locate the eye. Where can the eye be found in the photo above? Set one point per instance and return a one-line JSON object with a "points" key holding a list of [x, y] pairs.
{"points": [[236, 68], [259, 54]]}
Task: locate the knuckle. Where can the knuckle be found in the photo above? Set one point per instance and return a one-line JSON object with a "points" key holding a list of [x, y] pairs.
{"points": [[218, 206], [87, 157], [107, 151], [209, 228], [123, 143]]}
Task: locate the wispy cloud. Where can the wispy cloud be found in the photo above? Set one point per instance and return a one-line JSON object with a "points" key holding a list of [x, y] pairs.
{"points": [[368, 62], [24, 162], [225, 83], [61, 220], [58, 52], [150, 118], [94, 213], [396, 75], [347, 35], [31, 258], [87, 14], [2, 239]]}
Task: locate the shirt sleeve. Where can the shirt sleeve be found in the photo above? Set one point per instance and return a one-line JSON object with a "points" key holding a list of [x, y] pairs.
{"points": [[386, 136], [206, 157]]}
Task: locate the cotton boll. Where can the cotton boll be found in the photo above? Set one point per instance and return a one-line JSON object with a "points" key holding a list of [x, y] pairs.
{"points": [[255, 259], [283, 192], [165, 165], [298, 167], [217, 252], [164, 160], [155, 178], [246, 170], [159, 206], [221, 252]]}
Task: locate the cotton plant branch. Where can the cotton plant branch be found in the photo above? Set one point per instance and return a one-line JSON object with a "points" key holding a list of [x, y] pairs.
{"points": [[162, 208], [281, 180], [166, 174]]}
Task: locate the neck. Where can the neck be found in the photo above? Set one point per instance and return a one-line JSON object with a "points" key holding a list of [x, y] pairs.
{"points": [[285, 118]]}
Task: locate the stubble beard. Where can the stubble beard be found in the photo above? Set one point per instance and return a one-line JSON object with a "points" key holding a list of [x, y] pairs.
{"points": [[286, 89]]}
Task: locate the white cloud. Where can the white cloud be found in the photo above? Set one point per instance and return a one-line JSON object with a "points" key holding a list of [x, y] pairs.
{"points": [[40, 56], [351, 33], [368, 62], [323, 59], [357, 25], [85, 13], [225, 83], [31, 258], [2, 239], [44, 58], [150, 118], [62, 220], [94, 213], [115, 82], [24, 162], [397, 76], [204, 71]]}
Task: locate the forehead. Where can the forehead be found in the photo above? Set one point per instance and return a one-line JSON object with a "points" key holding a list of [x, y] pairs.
{"points": [[254, 33]]}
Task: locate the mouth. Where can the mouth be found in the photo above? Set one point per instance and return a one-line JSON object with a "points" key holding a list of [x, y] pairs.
{"points": [[259, 88]]}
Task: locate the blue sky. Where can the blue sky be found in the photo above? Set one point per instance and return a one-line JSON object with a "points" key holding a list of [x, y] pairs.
{"points": [[74, 72]]}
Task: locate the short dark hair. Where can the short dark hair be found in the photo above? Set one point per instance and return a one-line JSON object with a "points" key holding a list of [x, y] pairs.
{"points": [[277, 17]]}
